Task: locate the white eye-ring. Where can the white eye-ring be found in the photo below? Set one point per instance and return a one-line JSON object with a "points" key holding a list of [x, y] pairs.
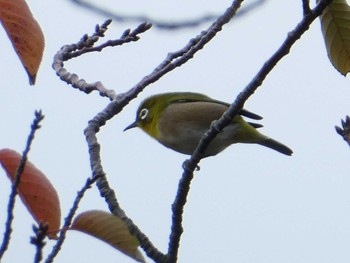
{"points": [[143, 114]]}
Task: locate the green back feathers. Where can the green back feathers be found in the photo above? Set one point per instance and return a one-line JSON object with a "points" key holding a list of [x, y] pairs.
{"points": [[156, 104], [182, 97]]}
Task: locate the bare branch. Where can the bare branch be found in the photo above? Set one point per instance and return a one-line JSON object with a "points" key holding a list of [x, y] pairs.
{"points": [[184, 184], [173, 61], [86, 45], [68, 220], [191, 164], [12, 199], [162, 25], [102, 183]]}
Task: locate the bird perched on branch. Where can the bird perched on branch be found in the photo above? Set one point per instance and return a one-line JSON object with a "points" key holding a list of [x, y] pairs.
{"points": [[179, 119]]}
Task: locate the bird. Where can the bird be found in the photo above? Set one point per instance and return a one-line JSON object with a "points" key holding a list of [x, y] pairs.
{"points": [[179, 119]]}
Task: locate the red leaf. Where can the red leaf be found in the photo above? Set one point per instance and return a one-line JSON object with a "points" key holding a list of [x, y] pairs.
{"points": [[35, 190], [25, 34], [110, 229]]}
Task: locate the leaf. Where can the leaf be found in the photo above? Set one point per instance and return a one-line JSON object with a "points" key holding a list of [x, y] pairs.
{"points": [[25, 34], [35, 190], [335, 24], [110, 229]]}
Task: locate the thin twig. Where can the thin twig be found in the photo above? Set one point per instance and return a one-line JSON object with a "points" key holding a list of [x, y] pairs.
{"points": [[12, 198], [159, 24], [86, 45], [38, 240], [68, 220], [126, 37]]}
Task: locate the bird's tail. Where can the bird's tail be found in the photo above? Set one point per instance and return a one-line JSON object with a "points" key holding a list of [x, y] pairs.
{"points": [[275, 145]]}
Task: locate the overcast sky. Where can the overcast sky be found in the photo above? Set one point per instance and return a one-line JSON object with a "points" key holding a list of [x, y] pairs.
{"points": [[248, 204]]}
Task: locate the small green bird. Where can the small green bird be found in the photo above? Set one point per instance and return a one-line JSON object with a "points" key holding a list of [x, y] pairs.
{"points": [[179, 119]]}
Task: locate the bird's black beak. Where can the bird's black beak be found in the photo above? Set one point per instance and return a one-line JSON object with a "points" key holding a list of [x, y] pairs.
{"points": [[132, 125]]}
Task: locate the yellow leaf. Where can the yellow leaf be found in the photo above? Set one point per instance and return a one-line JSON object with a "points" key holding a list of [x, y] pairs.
{"points": [[25, 34], [110, 229], [335, 23]]}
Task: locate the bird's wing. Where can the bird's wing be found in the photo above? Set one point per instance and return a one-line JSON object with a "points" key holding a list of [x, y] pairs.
{"points": [[200, 97], [197, 114]]}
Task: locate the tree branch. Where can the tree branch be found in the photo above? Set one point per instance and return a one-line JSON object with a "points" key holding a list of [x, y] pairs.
{"points": [[306, 7], [12, 199], [38, 240], [162, 25], [184, 184], [191, 164], [68, 220], [173, 61], [86, 45]]}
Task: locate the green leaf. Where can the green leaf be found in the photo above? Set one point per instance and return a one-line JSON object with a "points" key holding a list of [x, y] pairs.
{"points": [[335, 24]]}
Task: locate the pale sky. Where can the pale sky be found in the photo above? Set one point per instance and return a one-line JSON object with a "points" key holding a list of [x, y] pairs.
{"points": [[248, 204]]}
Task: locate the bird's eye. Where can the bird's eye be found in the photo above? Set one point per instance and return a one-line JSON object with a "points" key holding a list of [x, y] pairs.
{"points": [[143, 114]]}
